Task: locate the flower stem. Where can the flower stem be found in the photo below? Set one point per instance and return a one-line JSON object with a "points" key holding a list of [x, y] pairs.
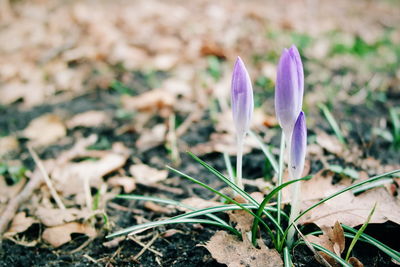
{"points": [[239, 158], [280, 174], [294, 210]]}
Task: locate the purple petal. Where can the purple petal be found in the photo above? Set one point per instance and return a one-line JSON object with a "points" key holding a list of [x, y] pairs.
{"points": [[242, 98], [298, 146], [289, 89]]}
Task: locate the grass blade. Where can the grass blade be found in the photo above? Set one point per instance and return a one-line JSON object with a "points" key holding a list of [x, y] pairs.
{"points": [[266, 151], [145, 226], [359, 232], [287, 258], [237, 189], [227, 198], [333, 255], [332, 122], [267, 199], [369, 239], [169, 202]]}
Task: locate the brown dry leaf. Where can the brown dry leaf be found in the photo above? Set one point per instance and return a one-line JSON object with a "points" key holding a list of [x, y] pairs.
{"points": [[7, 192], [69, 176], [354, 210], [151, 137], [91, 118], [158, 208], [53, 217], [127, 183], [8, 144], [114, 242], [146, 175], [227, 249], [59, 235], [199, 203], [20, 224], [332, 239], [219, 142], [242, 219], [355, 262], [330, 143], [45, 130], [152, 101]]}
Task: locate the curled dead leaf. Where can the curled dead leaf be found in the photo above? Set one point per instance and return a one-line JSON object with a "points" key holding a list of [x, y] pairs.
{"points": [[8, 144], [60, 235], [91, 118], [45, 130], [19, 224], [147, 175], [227, 249]]}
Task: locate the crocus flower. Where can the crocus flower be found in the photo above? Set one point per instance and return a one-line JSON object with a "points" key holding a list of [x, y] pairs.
{"points": [[296, 166], [242, 110], [242, 98], [289, 89], [298, 146]]}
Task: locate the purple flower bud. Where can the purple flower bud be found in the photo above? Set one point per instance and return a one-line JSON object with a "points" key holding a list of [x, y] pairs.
{"points": [[289, 89], [242, 98], [298, 146]]}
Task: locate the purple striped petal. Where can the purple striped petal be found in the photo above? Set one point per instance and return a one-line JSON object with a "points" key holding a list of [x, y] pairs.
{"points": [[289, 89], [242, 98], [298, 146]]}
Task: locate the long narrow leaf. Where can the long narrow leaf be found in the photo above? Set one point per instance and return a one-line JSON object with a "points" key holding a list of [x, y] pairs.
{"points": [[169, 202], [267, 199], [333, 255], [367, 238], [141, 227], [332, 122], [266, 151], [225, 197], [359, 233], [237, 189]]}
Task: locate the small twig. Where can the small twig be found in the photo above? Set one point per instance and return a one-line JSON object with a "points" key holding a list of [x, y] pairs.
{"points": [[146, 247], [85, 244], [308, 244], [114, 255], [90, 258], [46, 177], [15, 202], [137, 241]]}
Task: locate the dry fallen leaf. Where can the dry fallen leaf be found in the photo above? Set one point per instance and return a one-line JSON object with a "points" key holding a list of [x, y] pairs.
{"points": [[53, 217], [69, 176], [127, 183], [153, 137], [45, 130], [147, 175], [8, 144], [333, 239], [354, 210], [20, 224], [355, 262], [227, 249], [152, 101], [59, 235], [199, 203], [91, 118]]}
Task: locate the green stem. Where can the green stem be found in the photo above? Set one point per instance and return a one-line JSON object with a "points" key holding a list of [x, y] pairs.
{"points": [[280, 175], [239, 158]]}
